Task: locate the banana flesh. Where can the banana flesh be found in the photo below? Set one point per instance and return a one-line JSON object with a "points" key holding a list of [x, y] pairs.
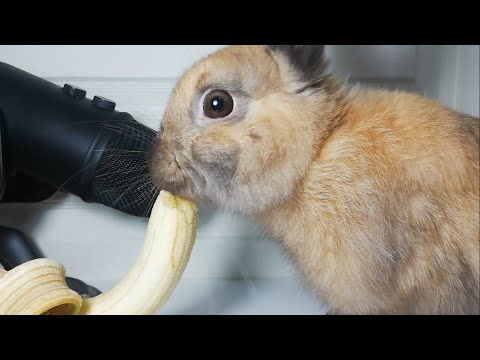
{"points": [[38, 286]]}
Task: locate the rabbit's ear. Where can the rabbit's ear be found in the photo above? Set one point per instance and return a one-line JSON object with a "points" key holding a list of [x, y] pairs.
{"points": [[308, 59]]}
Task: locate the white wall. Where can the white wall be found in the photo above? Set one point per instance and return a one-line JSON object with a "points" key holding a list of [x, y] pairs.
{"points": [[97, 244], [451, 74], [165, 61]]}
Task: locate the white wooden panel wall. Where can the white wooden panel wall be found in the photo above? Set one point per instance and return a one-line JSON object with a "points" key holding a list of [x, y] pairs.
{"points": [[97, 244], [451, 74], [153, 61]]}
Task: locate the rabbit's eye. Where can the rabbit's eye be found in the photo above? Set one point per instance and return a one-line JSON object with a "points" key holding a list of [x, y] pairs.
{"points": [[217, 104]]}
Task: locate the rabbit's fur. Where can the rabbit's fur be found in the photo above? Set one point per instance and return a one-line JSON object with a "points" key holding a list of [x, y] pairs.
{"points": [[374, 194]]}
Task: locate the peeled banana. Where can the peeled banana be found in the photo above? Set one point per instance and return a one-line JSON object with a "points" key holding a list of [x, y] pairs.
{"points": [[38, 286]]}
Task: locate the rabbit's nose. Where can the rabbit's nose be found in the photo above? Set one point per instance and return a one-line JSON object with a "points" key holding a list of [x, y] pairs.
{"points": [[165, 167], [168, 171], [165, 171]]}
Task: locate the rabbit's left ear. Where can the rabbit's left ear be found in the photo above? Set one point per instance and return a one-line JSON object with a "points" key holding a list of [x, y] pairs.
{"points": [[308, 59]]}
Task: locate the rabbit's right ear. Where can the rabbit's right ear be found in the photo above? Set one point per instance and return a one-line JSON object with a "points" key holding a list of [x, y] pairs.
{"points": [[309, 60]]}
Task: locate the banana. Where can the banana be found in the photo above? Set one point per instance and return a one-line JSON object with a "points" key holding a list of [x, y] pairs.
{"points": [[38, 286], [169, 240]]}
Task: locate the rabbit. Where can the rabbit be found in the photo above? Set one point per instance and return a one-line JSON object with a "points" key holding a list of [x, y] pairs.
{"points": [[373, 194]]}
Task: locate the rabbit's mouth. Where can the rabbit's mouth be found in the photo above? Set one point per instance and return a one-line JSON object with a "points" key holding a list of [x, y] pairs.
{"points": [[171, 171]]}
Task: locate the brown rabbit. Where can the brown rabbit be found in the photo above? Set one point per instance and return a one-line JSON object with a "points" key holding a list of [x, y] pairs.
{"points": [[374, 194]]}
